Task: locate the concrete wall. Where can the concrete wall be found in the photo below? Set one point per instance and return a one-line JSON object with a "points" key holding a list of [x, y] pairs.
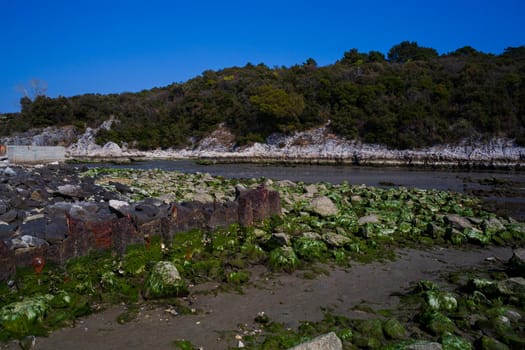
{"points": [[35, 154]]}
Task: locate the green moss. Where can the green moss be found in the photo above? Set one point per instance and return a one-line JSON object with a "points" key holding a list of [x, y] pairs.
{"points": [[309, 249], [283, 259]]}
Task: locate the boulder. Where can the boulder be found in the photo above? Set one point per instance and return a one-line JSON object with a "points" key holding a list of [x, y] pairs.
{"points": [[323, 206], [328, 341], [70, 191], [458, 222], [336, 240], [163, 281]]}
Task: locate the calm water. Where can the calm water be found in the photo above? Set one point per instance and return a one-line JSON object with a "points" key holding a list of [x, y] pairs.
{"points": [[370, 176]]}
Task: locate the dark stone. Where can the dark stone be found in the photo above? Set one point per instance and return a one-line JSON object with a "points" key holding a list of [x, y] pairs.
{"points": [[10, 216], [6, 231], [121, 187], [55, 231], [257, 205], [34, 227], [124, 233], [7, 262], [3, 207]]}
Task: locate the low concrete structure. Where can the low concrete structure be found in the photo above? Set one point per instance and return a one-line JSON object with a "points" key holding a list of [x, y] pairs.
{"points": [[35, 154]]}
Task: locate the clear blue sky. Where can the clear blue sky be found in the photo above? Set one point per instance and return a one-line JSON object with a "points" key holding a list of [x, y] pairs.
{"points": [[105, 46]]}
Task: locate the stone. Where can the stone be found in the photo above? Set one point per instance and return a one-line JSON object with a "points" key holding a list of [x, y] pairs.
{"points": [[278, 239], [514, 286], [121, 208], [424, 345], [323, 206], [336, 240], [6, 231], [328, 341], [453, 342], [9, 216], [393, 329], [458, 222], [368, 219], [34, 225], [7, 263], [163, 281], [32, 241], [310, 190], [517, 263], [9, 172], [488, 343], [203, 197], [70, 191]]}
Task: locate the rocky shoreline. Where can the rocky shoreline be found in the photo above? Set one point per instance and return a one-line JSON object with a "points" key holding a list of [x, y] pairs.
{"points": [[145, 244], [314, 146]]}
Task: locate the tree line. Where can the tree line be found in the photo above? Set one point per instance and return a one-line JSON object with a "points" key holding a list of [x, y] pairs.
{"points": [[412, 97]]}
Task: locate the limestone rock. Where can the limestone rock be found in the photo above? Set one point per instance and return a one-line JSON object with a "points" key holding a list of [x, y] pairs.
{"points": [[328, 341], [323, 206]]}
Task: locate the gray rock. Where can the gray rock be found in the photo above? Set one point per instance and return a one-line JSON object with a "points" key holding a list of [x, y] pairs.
{"points": [[328, 341], [424, 345], [323, 206], [335, 239], [493, 225], [9, 172], [10, 216], [72, 191], [202, 197], [56, 231], [310, 190], [6, 231], [458, 222], [514, 286], [33, 225], [368, 219], [3, 207], [33, 241], [312, 235], [120, 207]]}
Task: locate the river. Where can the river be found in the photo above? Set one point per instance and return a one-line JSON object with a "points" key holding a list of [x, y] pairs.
{"points": [[504, 189]]}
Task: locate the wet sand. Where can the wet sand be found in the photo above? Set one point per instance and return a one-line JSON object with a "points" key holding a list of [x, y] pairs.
{"points": [[283, 297]]}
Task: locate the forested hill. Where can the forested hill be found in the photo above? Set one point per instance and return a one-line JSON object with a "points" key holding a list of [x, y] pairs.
{"points": [[412, 97]]}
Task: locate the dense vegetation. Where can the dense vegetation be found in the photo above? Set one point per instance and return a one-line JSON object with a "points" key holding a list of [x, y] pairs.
{"points": [[412, 97]]}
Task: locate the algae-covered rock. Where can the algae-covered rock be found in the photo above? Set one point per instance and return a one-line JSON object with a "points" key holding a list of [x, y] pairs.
{"points": [[310, 249], [283, 259], [164, 280], [61, 299], [476, 236], [488, 343], [437, 323], [514, 286], [20, 316], [441, 301], [238, 277], [453, 342], [371, 328], [393, 329]]}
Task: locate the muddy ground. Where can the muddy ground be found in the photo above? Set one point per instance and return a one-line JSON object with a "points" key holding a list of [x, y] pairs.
{"points": [[220, 318]]}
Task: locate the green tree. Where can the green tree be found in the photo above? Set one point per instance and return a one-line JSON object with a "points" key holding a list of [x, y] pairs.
{"points": [[410, 51]]}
